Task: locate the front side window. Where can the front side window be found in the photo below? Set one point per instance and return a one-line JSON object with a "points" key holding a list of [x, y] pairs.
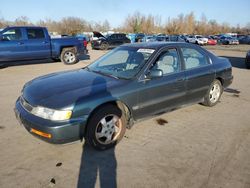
{"points": [[193, 58], [12, 34], [35, 34], [122, 62], [168, 62]]}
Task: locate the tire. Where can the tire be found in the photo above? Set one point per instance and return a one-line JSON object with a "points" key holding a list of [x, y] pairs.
{"points": [[106, 127], [104, 46], [247, 65], [68, 56], [213, 94]]}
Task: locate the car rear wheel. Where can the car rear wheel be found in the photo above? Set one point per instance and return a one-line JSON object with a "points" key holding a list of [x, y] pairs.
{"points": [[68, 56], [214, 93], [106, 127]]}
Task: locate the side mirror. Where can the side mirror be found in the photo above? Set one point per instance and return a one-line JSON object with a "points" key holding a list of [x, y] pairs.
{"points": [[155, 73]]}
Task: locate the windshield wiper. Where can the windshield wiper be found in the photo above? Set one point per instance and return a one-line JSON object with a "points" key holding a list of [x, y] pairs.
{"points": [[105, 74]]}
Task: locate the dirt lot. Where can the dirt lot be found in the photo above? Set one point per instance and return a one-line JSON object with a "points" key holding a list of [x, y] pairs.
{"points": [[197, 146]]}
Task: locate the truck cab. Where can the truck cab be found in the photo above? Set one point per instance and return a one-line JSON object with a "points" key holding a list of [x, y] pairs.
{"points": [[34, 43]]}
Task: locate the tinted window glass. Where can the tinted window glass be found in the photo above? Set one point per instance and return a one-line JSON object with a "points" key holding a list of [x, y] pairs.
{"points": [[35, 33], [12, 34], [168, 62], [193, 58]]}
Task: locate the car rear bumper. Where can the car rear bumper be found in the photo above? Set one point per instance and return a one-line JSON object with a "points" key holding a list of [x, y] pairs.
{"points": [[60, 132]]}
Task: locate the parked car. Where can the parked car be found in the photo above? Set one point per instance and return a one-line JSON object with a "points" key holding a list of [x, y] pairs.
{"points": [[150, 38], [211, 41], [131, 37], [197, 39], [244, 39], [177, 38], [140, 37], [162, 38], [247, 60], [129, 83], [228, 40], [33, 43], [110, 41]]}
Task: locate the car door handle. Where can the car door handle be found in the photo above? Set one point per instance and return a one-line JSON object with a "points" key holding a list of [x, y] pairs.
{"points": [[20, 43], [45, 42]]}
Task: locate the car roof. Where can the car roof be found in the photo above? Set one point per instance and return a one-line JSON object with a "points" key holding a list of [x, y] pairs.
{"points": [[38, 27], [154, 45]]}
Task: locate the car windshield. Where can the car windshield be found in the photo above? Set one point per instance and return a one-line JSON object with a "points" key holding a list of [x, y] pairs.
{"points": [[122, 62]]}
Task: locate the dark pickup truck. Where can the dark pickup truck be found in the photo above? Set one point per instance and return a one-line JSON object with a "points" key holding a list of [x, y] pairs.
{"points": [[34, 43]]}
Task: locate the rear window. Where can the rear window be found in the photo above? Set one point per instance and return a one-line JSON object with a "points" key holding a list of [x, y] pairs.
{"points": [[35, 34]]}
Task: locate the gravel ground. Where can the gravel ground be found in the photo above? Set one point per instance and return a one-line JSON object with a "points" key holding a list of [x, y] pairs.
{"points": [[196, 146]]}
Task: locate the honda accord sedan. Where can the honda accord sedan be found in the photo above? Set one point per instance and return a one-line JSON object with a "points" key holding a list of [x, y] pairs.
{"points": [[98, 102]]}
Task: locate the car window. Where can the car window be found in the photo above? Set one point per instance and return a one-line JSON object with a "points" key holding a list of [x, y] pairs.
{"points": [[168, 61], [35, 33], [12, 34], [193, 58], [113, 36], [122, 62]]}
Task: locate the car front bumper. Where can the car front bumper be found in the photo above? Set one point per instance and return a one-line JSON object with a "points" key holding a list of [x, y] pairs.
{"points": [[60, 132]]}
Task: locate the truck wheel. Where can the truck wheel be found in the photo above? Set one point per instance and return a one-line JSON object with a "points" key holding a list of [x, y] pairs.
{"points": [[104, 46], [68, 56], [106, 127], [213, 94]]}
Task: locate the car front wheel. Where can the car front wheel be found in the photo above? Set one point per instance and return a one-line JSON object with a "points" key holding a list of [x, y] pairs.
{"points": [[104, 46], [214, 93], [106, 127]]}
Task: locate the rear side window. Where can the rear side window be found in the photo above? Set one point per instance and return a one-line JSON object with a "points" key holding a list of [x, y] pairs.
{"points": [[35, 34], [12, 34], [193, 58]]}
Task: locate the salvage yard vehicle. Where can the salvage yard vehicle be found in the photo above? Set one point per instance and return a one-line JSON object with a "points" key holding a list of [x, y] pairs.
{"points": [[34, 43], [211, 41], [197, 39], [245, 39], [228, 40], [110, 41], [129, 83]]}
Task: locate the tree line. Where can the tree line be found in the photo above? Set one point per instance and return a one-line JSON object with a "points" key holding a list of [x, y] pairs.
{"points": [[135, 23]]}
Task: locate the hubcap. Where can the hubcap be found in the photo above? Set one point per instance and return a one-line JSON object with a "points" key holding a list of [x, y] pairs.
{"points": [[69, 57], [214, 93], [108, 129]]}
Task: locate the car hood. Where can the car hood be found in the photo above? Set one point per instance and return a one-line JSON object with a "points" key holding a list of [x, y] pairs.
{"points": [[64, 89], [98, 34]]}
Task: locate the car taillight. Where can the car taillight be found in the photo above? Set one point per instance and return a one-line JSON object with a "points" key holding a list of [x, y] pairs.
{"points": [[85, 43]]}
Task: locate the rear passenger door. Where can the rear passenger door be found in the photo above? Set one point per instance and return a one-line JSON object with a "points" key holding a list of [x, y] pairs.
{"points": [[38, 44], [199, 73]]}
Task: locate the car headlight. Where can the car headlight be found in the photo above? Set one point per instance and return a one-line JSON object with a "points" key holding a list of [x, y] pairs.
{"points": [[51, 114]]}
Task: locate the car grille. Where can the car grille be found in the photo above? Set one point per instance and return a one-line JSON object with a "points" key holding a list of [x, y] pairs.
{"points": [[26, 105]]}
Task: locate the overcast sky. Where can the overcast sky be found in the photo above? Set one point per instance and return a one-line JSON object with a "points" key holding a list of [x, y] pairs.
{"points": [[115, 11]]}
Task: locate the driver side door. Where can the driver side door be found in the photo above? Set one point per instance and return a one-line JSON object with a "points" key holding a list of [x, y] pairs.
{"points": [[12, 45]]}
